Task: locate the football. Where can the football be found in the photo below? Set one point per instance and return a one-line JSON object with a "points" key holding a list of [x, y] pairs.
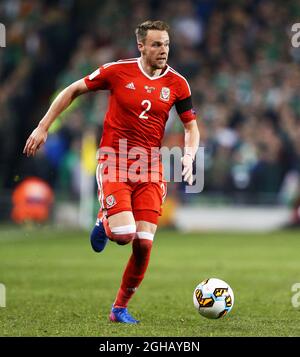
{"points": [[213, 298]]}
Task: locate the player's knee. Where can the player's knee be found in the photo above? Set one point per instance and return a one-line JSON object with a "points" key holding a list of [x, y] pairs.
{"points": [[123, 234], [123, 239]]}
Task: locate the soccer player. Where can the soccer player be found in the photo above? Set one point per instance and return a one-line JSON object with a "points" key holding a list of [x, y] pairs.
{"points": [[142, 92]]}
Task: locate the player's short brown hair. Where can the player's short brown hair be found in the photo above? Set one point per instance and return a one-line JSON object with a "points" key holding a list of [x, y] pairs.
{"points": [[142, 29]]}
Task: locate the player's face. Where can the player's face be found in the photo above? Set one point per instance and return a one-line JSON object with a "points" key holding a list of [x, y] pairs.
{"points": [[155, 50]]}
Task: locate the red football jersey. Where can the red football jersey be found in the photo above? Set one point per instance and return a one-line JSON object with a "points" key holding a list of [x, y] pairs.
{"points": [[139, 105]]}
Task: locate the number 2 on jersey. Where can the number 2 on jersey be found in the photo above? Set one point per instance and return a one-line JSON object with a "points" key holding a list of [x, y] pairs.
{"points": [[148, 103]]}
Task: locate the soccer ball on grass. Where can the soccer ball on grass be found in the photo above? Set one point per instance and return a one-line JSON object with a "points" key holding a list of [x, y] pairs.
{"points": [[213, 298]]}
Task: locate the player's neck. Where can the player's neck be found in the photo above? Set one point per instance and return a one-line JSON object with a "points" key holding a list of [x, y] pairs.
{"points": [[152, 72]]}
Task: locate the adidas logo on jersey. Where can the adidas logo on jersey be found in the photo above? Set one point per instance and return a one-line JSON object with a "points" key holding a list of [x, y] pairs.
{"points": [[130, 85]]}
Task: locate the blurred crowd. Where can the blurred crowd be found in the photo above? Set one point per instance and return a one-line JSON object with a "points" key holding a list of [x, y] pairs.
{"points": [[237, 55], [39, 36]]}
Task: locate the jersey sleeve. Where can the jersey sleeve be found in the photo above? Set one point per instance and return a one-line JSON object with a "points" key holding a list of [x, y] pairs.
{"points": [[101, 78], [183, 104]]}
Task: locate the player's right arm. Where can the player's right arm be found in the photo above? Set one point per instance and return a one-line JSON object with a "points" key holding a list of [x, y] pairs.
{"points": [[101, 78], [39, 135]]}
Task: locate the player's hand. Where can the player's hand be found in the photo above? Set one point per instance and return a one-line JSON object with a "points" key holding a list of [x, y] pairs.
{"points": [[36, 139], [187, 171]]}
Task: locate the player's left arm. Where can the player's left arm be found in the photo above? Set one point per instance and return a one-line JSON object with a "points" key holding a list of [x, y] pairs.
{"points": [[191, 144], [184, 107]]}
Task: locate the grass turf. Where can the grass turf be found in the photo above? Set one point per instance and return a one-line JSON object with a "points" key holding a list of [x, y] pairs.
{"points": [[56, 285]]}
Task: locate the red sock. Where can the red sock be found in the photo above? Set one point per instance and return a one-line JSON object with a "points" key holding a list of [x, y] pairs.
{"points": [[134, 271]]}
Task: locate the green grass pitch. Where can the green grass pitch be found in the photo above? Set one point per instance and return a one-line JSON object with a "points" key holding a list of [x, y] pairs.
{"points": [[56, 285]]}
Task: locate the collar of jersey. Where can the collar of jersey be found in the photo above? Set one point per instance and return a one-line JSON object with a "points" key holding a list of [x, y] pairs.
{"points": [[146, 75]]}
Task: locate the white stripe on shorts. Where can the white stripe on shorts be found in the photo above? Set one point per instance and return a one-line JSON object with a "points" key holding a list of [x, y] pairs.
{"points": [[100, 186]]}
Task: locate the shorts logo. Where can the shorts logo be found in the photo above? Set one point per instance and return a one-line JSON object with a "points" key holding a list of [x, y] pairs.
{"points": [[110, 201], [165, 94]]}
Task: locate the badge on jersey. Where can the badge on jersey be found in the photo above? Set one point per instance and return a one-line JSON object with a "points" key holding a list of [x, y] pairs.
{"points": [[165, 94]]}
